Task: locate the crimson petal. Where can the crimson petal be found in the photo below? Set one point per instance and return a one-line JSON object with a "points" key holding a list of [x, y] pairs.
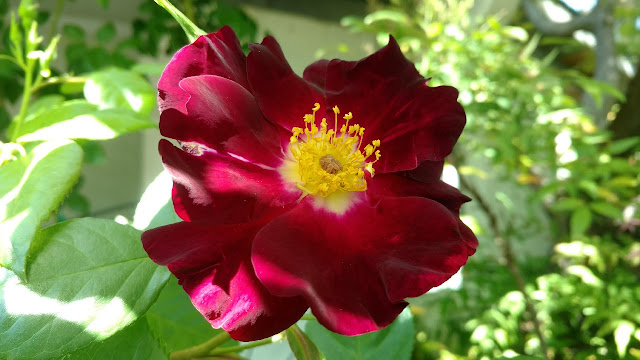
{"points": [[316, 73], [215, 189], [387, 95], [217, 53], [214, 267], [392, 185], [356, 269], [222, 115], [283, 96]]}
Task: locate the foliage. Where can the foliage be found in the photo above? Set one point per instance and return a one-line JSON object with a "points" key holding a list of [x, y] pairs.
{"points": [[525, 125]]}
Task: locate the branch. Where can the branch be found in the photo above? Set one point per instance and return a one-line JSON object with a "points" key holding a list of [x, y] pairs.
{"points": [[509, 257], [543, 23]]}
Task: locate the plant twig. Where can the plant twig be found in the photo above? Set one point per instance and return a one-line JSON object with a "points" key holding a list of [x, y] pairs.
{"points": [[200, 350], [238, 348], [507, 252]]}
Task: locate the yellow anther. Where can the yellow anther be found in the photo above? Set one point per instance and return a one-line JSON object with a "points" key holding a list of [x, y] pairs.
{"points": [[326, 161]]}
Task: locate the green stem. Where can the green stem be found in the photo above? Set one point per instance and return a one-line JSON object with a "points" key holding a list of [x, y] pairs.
{"points": [[56, 18], [59, 80], [200, 350], [238, 348], [26, 94]]}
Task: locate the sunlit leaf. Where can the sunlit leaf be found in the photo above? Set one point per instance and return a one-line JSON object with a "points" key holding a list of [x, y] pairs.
{"points": [[120, 89], [394, 342], [87, 279], [585, 274], [135, 342], [97, 125], [155, 207], [567, 204], [31, 189], [622, 336], [388, 15]]}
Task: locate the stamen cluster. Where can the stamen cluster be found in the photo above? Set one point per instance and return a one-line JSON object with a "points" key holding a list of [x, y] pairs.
{"points": [[329, 161]]}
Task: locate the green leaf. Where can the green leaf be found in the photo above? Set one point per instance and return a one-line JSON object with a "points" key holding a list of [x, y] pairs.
{"points": [[150, 69], [87, 279], [98, 125], [580, 221], [44, 104], [106, 33], [134, 342], [622, 335], [104, 3], [520, 357], [301, 346], [190, 29], [31, 189], [394, 342], [73, 33], [388, 15], [622, 145], [175, 321], [605, 209], [118, 88], [155, 207], [567, 204]]}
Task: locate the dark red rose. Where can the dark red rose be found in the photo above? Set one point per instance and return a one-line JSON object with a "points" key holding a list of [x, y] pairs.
{"points": [[322, 191]]}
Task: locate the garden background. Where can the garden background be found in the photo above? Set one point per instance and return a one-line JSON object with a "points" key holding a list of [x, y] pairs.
{"points": [[549, 156]]}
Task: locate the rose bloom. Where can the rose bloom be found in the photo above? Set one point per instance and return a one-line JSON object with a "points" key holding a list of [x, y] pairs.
{"points": [[321, 191]]}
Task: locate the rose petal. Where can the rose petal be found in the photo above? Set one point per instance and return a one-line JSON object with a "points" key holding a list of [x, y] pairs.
{"points": [[283, 96], [215, 189], [217, 53], [392, 185], [356, 269], [223, 116], [387, 96], [316, 74], [214, 267]]}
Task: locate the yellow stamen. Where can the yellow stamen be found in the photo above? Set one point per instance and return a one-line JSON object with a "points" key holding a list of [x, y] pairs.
{"points": [[329, 162]]}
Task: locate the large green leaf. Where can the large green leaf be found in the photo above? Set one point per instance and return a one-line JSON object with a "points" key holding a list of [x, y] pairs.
{"points": [[96, 125], [31, 188], [50, 110], [87, 279], [175, 321], [394, 342], [120, 89], [135, 342], [155, 207]]}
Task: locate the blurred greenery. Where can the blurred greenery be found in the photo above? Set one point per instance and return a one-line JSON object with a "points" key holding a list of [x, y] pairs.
{"points": [[528, 133]]}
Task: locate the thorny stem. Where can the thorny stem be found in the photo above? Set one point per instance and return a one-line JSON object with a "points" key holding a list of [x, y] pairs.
{"points": [[202, 349], [507, 252]]}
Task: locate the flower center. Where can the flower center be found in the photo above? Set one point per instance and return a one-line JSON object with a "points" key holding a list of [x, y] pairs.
{"points": [[329, 161]]}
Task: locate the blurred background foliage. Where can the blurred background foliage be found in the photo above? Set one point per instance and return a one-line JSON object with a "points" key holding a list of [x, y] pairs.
{"points": [[530, 130], [550, 156]]}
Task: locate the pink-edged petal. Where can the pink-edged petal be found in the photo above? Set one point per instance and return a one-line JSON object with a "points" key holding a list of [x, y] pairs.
{"points": [[316, 73], [356, 269], [215, 189], [217, 53], [223, 116], [214, 267], [386, 95], [283, 96]]}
